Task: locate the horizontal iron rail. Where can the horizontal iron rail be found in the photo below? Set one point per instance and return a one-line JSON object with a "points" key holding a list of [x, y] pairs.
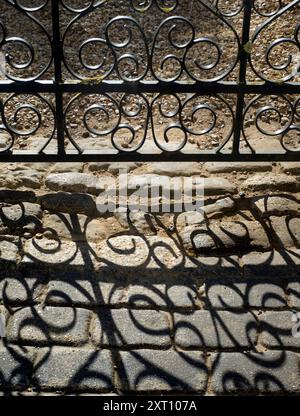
{"points": [[162, 157], [148, 87]]}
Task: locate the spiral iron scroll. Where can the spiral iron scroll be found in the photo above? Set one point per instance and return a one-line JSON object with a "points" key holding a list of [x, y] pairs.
{"points": [[25, 116], [182, 46], [24, 58], [277, 117], [124, 121], [288, 48]]}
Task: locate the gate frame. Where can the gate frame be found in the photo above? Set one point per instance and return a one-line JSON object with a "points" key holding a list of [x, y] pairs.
{"points": [[239, 90]]}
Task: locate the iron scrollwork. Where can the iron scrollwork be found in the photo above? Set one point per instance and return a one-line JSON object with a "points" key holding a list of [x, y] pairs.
{"points": [[288, 62], [23, 60], [141, 78]]}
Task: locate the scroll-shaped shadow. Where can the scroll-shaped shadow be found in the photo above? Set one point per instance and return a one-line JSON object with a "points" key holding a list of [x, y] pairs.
{"points": [[150, 319]]}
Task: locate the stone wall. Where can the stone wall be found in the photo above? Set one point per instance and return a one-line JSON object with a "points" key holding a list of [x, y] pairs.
{"points": [[151, 303]]}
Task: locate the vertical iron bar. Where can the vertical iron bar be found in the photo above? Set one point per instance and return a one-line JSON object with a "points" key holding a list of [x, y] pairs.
{"points": [[248, 4], [57, 57]]}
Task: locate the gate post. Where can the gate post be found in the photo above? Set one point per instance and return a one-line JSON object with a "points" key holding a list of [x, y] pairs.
{"points": [[57, 57], [244, 52]]}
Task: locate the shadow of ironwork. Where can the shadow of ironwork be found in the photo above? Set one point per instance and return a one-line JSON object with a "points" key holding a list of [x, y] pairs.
{"points": [[175, 286]]}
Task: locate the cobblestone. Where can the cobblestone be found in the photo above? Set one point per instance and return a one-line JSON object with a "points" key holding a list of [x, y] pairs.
{"points": [[265, 295], [280, 330], [271, 182], [291, 167], [70, 203], [20, 290], [15, 367], [187, 218], [293, 291], [276, 205], [67, 167], [143, 222], [205, 329], [73, 182], [183, 296], [225, 295], [19, 211], [80, 227], [265, 373], [146, 295], [9, 251], [225, 235], [15, 196], [114, 168], [48, 325], [218, 186], [57, 252], [158, 371], [286, 231], [22, 178], [174, 169], [271, 263], [98, 166], [73, 369], [69, 293], [130, 328], [223, 167], [220, 206]]}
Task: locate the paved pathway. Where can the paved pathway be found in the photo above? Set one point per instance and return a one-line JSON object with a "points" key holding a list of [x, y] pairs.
{"points": [[149, 309]]}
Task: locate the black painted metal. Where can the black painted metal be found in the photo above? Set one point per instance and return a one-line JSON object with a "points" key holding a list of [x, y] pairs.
{"points": [[136, 87], [57, 56], [242, 79]]}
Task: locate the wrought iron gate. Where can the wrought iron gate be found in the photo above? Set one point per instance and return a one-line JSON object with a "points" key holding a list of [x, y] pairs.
{"points": [[149, 80]]}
